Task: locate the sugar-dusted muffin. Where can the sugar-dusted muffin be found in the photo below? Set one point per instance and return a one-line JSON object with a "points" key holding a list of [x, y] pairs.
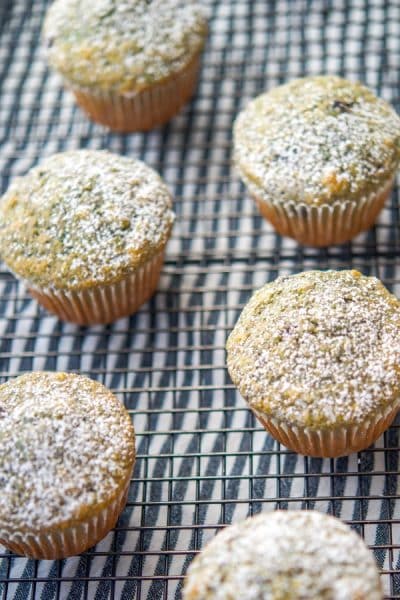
{"points": [[319, 156], [67, 452], [86, 231], [317, 358], [131, 65], [285, 555]]}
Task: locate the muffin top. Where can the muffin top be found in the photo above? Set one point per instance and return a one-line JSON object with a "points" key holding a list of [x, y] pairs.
{"points": [[285, 555], [67, 446], [83, 218], [317, 140], [124, 46], [318, 349]]}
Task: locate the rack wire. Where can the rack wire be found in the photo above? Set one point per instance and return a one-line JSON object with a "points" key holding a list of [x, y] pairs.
{"points": [[202, 461]]}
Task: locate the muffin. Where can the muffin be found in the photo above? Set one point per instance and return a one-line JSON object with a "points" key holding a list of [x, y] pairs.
{"points": [[86, 231], [319, 156], [131, 65], [285, 555], [67, 452], [317, 358]]}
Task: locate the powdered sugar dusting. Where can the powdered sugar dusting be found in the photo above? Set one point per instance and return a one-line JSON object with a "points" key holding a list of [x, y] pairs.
{"points": [[123, 45], [66, 443], [318, 349], [317, 140], [293, 555], [84, 218]]}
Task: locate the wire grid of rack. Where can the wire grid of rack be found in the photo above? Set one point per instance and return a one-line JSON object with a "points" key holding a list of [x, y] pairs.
{"points": [[203, 461]]}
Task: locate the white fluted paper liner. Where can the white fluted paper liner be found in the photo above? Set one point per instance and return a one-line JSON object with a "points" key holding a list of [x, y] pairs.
{"points": [[69, 541], [104, 303], [327, 224], [143, 110], [329, 443]]}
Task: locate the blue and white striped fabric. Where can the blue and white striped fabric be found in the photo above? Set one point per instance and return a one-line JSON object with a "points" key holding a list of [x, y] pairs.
{"points": [[202, 459]]}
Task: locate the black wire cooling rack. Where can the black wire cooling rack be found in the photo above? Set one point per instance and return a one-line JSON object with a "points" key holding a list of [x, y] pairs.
{"points": [[202, 459]]}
